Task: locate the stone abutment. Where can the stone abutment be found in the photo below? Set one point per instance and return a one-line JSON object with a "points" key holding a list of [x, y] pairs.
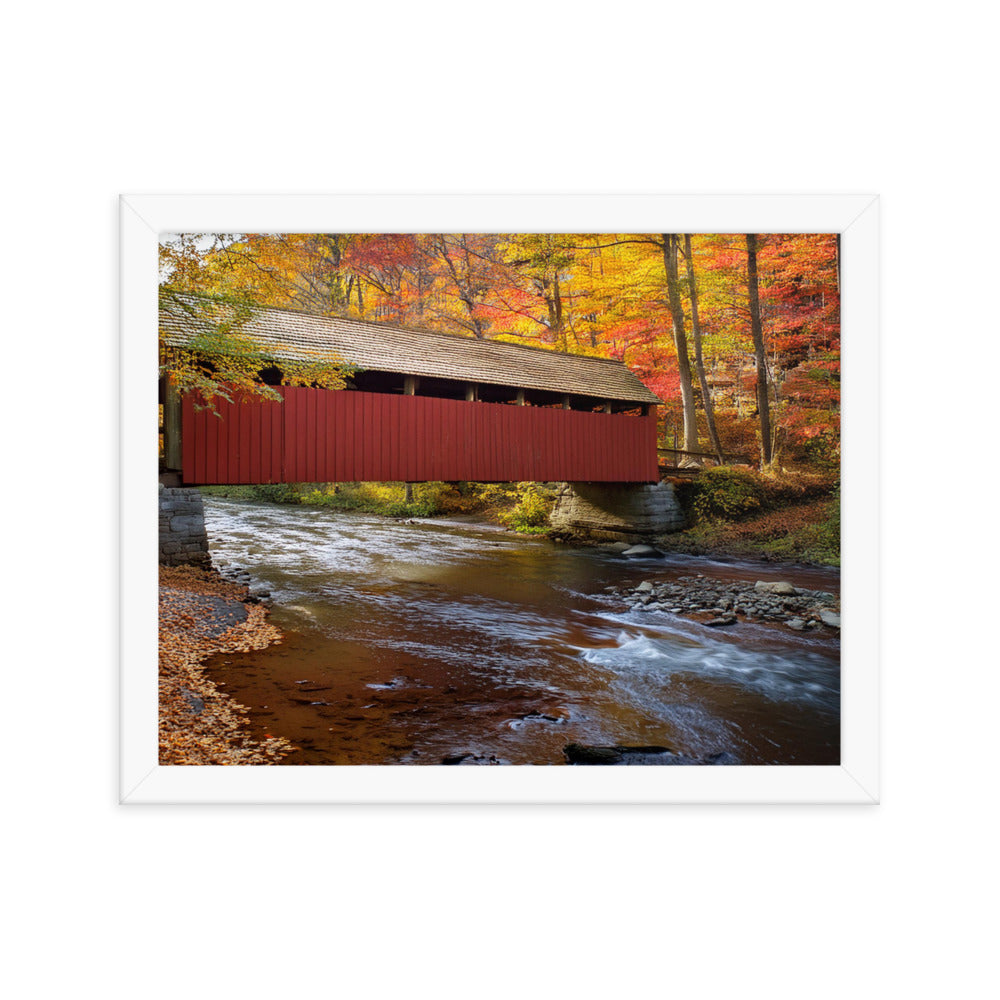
{"points": [[183, 540], [616, 511]]}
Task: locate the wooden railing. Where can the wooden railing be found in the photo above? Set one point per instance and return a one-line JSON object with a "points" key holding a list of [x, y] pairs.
{"points": [[679, 454]]}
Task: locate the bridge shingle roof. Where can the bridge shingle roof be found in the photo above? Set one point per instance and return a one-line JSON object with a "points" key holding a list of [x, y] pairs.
{"points": [[383, 347]]}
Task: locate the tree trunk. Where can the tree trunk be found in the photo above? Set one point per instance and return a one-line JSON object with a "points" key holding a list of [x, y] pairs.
{"points": [[706, 392], [560, 331], [763, 405], [669, 245]]}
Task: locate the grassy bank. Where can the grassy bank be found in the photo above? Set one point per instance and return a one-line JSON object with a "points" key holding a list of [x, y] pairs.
{"points": [[744, 514], [522, 507]]}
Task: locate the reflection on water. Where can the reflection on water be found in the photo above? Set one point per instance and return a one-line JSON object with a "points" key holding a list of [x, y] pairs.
{"points": [[411, 642]]}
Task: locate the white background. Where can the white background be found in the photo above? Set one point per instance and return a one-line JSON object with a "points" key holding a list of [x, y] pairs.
{"points": [[482, 901]]}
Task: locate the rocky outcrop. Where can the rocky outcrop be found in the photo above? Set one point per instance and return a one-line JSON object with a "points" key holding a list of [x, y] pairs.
{"points": [[616, 510]]}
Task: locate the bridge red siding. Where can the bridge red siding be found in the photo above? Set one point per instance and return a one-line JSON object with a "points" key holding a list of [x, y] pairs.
{"points": [[321, 436]]}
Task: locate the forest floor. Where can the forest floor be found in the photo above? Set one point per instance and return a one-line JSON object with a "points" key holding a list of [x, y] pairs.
{"points": [[801, 533], [200, 615]]}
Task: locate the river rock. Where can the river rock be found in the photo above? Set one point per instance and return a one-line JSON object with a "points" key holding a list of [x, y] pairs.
{"points": [[781, 587], [722, 620], [617, 547], [195, 702], [639, 551], [644, 587], [796, 623], [829, 618], [577, 753]]}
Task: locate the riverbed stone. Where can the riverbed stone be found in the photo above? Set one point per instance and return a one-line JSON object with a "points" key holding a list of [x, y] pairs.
{"points": [[700, 595], [195, 702], [640, 551], [780, 587], [577, 753], [796, 623], [829, 618]]}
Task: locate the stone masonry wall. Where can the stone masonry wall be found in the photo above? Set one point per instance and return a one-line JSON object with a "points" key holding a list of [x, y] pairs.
{"points": [[183, 539], [617, 509]]}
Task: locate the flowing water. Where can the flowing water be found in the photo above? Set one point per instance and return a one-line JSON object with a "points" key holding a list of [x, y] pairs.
{"points": [[409, 643]]}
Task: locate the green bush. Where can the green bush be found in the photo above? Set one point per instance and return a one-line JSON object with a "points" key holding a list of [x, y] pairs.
{"points": [[530, 515], [385, 499], [276, 493], [726, 494]]}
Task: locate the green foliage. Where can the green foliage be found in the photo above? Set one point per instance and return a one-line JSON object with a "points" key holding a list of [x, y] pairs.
{"points": [[815, 543], [530, 515], [276, 493], [522, 507], [266, 492], [385, 499], [799, 520], [823, 451], [220, 360], [726, 493]]}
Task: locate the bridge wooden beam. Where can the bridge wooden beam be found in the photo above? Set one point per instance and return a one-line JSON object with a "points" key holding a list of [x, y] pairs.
{"points": [[520, 397], [471, 392], [410, 383]]}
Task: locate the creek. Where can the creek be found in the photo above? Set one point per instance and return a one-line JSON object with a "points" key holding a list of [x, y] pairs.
{"points": [[416, 642]]}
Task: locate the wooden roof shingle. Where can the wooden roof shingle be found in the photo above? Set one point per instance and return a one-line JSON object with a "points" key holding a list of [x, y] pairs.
{"points": [[383, 347]]}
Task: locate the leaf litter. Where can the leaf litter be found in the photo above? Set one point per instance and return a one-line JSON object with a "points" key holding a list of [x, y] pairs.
{"points": [[201, 615]]}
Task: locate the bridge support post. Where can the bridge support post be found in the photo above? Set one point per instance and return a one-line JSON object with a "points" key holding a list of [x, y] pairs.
{"points": [[183, 539], [617, 511], [171, 425]]}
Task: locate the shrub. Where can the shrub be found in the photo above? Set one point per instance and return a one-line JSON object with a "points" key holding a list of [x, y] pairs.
{"points": [[276, 493], [726, 494], [530, 515]]}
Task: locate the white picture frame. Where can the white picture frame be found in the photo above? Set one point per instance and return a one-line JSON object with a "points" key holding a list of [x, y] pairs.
{"points": [[143, 217]]}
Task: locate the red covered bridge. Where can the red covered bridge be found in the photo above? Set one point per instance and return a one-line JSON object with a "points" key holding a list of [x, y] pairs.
{"points": [[423, 406]]}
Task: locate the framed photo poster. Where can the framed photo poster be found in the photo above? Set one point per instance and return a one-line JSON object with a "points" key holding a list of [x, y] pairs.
{"points": [[520, 480]]}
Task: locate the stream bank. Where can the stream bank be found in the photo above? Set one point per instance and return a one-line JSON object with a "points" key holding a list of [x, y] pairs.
{"points": [[202, 615]]}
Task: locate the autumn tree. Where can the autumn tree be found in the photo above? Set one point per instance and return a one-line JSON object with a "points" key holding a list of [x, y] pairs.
{"points": [[706, 391], [466, 269], [541, 268], [756, 332], [206, 350], [669, 248]]}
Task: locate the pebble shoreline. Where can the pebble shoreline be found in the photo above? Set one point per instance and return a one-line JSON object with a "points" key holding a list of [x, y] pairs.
{"points": [[718, 603]]}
